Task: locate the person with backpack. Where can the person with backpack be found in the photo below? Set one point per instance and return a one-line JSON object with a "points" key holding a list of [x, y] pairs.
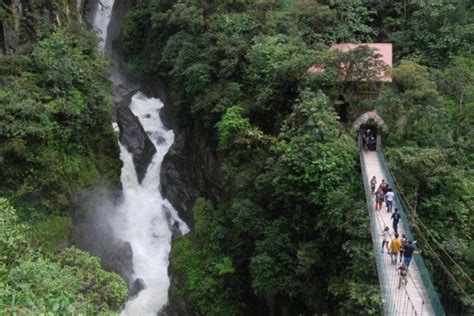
{"points": [[408, 253], [403, 271], [389, 199], [395, 247], [386, 238], [395, 219], [373, 184], [378, 200], [383, 186]]}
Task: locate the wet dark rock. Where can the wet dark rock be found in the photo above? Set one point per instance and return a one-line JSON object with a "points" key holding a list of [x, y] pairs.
{"points": [[135, 287], [98, 239], [135, 139], [159, 139], [176, 307], [177, 183], [172, 223]]}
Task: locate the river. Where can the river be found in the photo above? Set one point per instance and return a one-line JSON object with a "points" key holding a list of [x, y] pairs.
{"points": [[144, 219]]}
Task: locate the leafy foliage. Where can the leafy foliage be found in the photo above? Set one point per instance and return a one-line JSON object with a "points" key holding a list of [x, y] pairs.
{"points": [[41, 286], [207, 274], [56, 143], [69, 282], [103, 289], [238, 73], [55, 107]]}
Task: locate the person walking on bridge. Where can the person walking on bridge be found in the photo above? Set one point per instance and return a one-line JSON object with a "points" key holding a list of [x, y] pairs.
{"points": [[408, 251], [386, 238], [383, 186], [395, 247], [378, 200], [373, 184], [395, 219], [389, 199], [403, 270]]}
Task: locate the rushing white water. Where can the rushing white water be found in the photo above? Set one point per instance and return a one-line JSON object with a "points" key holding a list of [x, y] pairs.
{"points": [[145, 219], [102, 18]]}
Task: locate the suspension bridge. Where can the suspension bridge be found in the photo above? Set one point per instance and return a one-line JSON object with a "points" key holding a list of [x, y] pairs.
{"points": [[419, 296]]}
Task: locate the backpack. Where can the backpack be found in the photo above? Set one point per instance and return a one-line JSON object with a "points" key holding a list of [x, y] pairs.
{"points": [[403, 272], [404, 242]]}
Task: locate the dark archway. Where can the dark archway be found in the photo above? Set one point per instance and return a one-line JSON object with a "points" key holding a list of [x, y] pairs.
{"points": [[341, 106], [369, 127], [371, 118]]}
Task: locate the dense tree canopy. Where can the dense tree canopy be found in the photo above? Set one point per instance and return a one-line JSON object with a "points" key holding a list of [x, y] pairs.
{"points": [[56, 144], [290, 213], [287, 231]]}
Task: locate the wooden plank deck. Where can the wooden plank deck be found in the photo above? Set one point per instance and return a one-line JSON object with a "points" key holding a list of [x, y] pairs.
{"points": [[409, 300]]}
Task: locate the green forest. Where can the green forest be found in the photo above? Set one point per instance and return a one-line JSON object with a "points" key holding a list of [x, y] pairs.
{"points": [[288, 231], [56, 144]]}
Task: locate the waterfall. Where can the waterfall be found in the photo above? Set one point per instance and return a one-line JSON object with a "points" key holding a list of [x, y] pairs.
{"points": [[145, 219], [102, 18]]}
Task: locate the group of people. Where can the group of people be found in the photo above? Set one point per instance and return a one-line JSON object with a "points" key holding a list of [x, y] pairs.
{"points": [[385, 193], [369, 139], [398, 248]]}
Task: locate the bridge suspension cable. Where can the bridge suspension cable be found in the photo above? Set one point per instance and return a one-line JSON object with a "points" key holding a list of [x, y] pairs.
{"points": [[425, 236], [416, 219]]}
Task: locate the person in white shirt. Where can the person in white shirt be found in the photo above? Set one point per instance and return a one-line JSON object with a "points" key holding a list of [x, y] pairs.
{"points": [[386, 238], [389, 199]]}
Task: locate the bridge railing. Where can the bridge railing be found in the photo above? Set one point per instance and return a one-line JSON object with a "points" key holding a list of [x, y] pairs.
{"points": [[431, 293]]}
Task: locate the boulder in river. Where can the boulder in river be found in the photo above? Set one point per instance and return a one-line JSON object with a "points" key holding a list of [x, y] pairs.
{"points": [[135, 287], [135, 139]]}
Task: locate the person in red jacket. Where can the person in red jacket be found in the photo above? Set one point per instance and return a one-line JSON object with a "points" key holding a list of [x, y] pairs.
{"points": [[379, 198], [383, 186]]}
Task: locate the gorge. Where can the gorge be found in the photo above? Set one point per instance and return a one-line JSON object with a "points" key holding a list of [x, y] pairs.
{"points": [[229, 182]]}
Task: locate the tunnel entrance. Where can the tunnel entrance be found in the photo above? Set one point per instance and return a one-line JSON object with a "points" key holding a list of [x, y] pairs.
{"points": [[368, 133], [369, 128]]}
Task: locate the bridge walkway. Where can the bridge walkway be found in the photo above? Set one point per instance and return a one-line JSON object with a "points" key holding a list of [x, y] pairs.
{"points": [[414, 298]]}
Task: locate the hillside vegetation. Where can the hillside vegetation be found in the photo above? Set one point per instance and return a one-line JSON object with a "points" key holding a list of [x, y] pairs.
{"points": [[56, 144], [288, 232]]}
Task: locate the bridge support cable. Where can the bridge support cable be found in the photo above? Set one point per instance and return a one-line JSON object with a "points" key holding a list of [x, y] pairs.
{"points": [[453, 284]]}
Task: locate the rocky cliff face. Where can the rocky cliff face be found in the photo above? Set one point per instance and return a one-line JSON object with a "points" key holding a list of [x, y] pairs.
{"points": [[189, 170], [19, 19]]}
